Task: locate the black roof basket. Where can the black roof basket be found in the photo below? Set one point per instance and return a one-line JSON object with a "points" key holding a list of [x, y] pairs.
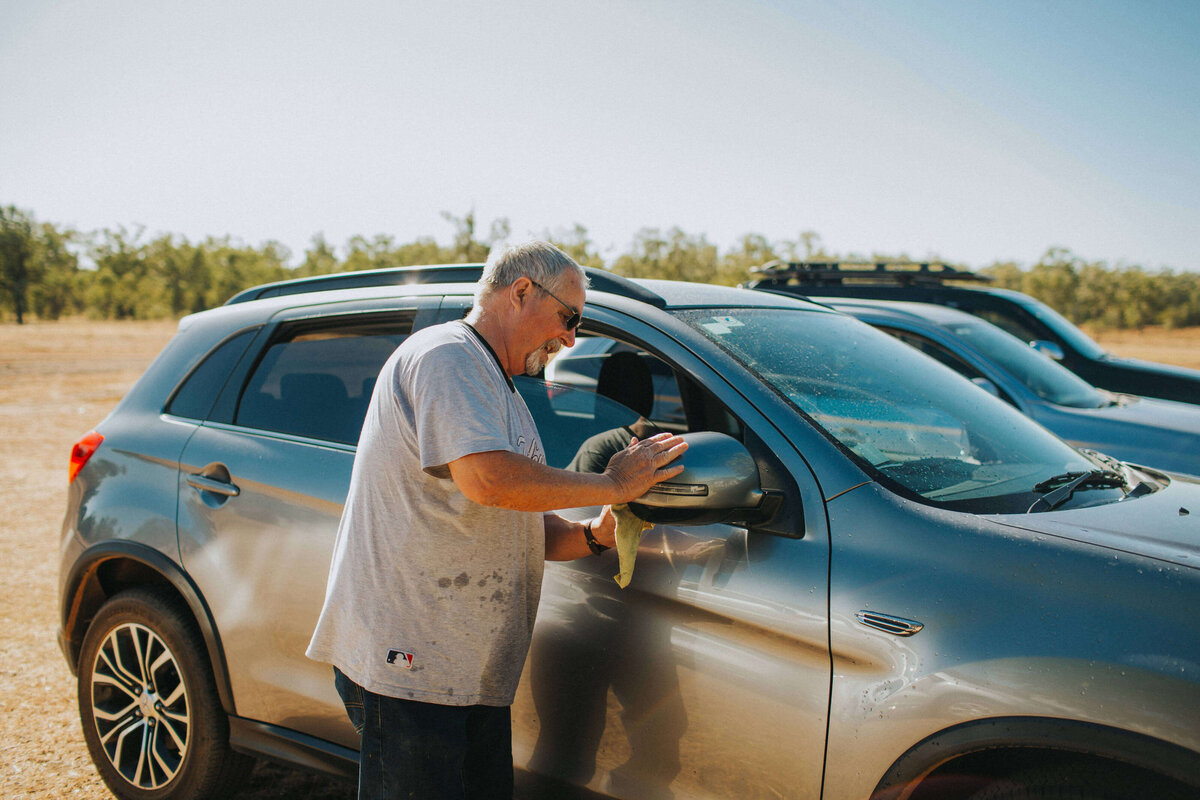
{"points": [[832, 273], [601, 281]]}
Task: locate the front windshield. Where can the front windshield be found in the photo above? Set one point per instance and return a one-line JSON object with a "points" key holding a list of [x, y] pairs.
{"points": [[1045, 378], [916, 424]]}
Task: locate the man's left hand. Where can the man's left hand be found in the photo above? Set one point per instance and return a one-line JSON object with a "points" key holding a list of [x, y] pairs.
{"points": [[604, 527]]}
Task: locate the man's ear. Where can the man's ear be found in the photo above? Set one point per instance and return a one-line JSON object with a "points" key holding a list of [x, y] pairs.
{"points": [[519, 291]]}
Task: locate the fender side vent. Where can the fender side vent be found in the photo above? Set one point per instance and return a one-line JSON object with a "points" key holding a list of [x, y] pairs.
{"points": [[889, 624]]}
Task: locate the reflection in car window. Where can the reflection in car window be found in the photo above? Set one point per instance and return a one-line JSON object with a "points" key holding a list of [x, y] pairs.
{"points": [[1008, 323], [567, 417], [915, 422], [598, 394], [945, 356], [1062, 326], [317, 383], [1045, 378], [628, 368]]}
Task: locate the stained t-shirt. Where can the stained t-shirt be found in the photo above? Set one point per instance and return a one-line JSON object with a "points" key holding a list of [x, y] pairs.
{"points": [[431, 596]]}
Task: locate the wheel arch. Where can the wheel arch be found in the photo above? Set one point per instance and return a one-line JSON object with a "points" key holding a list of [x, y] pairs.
{"points": [[981, 743], [107, 568]]}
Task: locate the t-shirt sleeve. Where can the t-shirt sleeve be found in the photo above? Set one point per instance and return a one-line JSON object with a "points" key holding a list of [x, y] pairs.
{"points": [[458, 408]]}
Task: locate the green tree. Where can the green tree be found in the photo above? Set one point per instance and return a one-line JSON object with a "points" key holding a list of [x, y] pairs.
{"points": [[1096, 297], [673, 256], [319, 259], [120, 265], [197, 277], [377, 253], [1055, 281], [753, 250], [577, 244], [466, 247], [1005, 275], [236, 267], [424, 250], [16, 258], [58, 287]]}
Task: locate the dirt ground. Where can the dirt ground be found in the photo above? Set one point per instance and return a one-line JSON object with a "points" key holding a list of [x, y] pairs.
{"points": [[1180, 346], [58, 380]]}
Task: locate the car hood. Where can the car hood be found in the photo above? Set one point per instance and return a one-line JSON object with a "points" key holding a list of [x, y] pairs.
{"points": [[1164, 525], [1155, 413]]}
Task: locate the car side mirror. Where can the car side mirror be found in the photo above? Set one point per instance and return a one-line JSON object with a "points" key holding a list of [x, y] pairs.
{"points": [[1050, 349], [719, 483]]}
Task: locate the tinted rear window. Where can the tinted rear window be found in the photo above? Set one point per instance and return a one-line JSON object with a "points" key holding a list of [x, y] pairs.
{"points": [[195, 397], [317, 383]]}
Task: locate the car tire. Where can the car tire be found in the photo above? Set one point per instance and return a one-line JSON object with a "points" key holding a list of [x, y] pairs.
{"points": [[148, 703], [1072, 782]]}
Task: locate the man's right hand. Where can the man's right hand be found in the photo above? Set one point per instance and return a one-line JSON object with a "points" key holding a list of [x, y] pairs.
{"points": [[644, 463]]}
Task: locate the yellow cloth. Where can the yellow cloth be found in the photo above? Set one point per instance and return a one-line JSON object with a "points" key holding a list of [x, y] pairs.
{"points": [[629, 534]]}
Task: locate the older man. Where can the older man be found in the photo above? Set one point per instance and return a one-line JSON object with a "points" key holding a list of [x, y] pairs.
{"points": [[437, 566]]}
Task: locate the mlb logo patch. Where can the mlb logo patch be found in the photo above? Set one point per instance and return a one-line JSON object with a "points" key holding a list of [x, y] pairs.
{"points": [[400, 658]]}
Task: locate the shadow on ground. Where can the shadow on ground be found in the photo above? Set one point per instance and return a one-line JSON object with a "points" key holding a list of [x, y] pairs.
{"points": [[270, 780]]}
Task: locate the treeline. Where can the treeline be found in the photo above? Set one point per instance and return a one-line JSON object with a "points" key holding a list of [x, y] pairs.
{"points": [[50, 272]]}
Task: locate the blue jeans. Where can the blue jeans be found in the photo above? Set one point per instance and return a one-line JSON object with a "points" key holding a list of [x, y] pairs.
{"points": [[428, 751]]}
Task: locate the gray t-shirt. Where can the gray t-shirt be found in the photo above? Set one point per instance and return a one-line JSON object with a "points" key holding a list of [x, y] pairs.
{"points": [[432, 596]]}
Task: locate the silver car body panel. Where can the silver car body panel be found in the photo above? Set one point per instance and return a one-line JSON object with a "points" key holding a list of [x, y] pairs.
{"points": [[1007, 638]]}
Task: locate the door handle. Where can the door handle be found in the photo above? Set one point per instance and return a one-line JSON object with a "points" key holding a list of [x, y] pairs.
{"points": [[198, 480]]}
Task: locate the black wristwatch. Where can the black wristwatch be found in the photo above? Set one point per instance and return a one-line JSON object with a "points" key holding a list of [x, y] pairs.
{"points": [[593, 545]]}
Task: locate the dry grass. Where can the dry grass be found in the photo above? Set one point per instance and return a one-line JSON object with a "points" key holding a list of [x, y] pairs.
{"points": [[58, 380], [1180, 347]]}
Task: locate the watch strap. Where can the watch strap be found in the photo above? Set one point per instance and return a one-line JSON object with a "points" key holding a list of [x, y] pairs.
{"points": [[592, 544]]}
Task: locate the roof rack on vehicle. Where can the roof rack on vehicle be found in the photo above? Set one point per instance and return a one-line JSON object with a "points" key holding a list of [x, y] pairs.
{"points": [[827, 273], [601, 281]]}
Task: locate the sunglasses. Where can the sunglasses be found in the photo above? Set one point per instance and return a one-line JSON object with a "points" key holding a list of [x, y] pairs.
{"points": [[571, 323]]}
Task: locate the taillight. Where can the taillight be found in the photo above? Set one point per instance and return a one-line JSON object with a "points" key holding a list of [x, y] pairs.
{"points": [[81, 452]]}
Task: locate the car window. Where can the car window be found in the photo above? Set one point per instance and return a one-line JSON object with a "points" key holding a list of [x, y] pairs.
{"points": [[597, 395], [1061, 326], [1047, 379], [935, 350], [316, 380], [195, 396], [1009, 323]]}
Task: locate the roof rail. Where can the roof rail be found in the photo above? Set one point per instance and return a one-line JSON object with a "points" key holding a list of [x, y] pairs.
{"points": [[827, 273], [601, 280]]}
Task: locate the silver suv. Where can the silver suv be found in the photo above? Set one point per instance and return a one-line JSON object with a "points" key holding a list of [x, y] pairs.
{"points": [[873, 579]]}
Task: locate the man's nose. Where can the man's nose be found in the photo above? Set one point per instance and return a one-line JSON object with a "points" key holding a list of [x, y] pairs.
{"points": [[568, 338]]}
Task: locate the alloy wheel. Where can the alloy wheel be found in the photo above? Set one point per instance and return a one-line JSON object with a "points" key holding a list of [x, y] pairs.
{"points": [[140, 706]]}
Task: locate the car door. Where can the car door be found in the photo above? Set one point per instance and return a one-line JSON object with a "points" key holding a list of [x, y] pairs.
{"points": [[262, 483], [709, 675]]}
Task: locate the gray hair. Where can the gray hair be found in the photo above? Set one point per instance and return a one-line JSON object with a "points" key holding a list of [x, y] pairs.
{"points": [[539, 261]]}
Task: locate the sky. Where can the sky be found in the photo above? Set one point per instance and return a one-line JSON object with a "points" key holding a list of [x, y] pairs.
{"points": [[971, 132]]}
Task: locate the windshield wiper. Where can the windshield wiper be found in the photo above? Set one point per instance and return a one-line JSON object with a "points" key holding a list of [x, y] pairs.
{"points": [[1062, 488], [1133, 476]]}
